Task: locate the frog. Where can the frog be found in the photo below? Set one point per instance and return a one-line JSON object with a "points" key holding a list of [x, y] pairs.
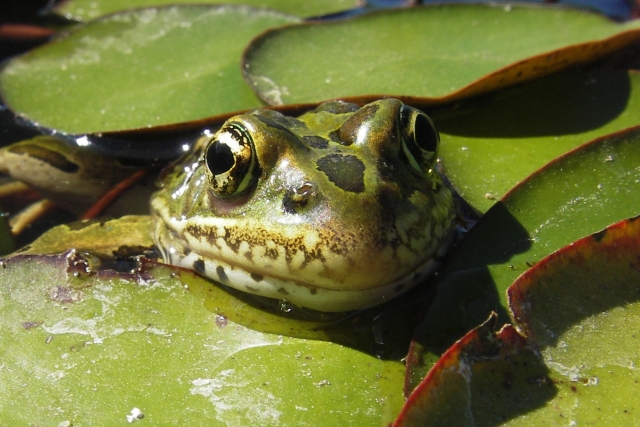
{"points": [[341, 208]]}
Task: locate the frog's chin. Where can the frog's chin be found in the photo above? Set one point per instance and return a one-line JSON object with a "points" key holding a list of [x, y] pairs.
{"points": [[301, 294], [292, 291]]}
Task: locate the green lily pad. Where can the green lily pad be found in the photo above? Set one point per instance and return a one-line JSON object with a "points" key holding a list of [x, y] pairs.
{"points": [[431, 54], [489, 145], [138, 68], [573, 196], [580, 307], [486, 378], [100, 237], [88, 348], [84, 10], [579, 310]]}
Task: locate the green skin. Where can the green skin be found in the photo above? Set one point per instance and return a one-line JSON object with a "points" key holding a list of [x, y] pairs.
{"points": [[338, 209]]}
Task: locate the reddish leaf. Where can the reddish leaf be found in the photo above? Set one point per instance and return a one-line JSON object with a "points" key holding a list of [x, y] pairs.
{"points": [[485, 378]]}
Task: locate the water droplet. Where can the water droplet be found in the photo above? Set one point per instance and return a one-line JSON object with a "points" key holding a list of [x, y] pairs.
{"points": [[285, 307]]}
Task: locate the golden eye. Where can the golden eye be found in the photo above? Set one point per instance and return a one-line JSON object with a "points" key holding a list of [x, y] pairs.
{"points": [[420, 138], [231, 161]]}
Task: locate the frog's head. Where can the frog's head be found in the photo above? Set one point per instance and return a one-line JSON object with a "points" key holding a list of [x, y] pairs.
{"points": [[338, 209]]}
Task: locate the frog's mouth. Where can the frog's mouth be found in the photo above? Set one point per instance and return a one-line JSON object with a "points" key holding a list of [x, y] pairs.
{"points": [[292, 291]]}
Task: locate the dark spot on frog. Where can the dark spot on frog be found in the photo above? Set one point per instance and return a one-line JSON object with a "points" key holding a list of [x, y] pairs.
{"points": [[199, 267], [222, 275], [53, 158], [283, 291], [345, 171], [186, 251], [248, 255], [316, 141], [250, 289], [313, 290], [257, 277], [271, 253], [231, 241]]}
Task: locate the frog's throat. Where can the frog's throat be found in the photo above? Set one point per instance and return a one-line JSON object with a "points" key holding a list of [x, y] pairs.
{"points": [[314, 297]]}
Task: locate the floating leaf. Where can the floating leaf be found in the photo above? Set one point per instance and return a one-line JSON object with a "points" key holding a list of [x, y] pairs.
{"points": [[431, 54], [83, 10], [486, 378], [151, 345], [580, 306], [139, 68], [573, 196], [100, 237], [490, 145]]}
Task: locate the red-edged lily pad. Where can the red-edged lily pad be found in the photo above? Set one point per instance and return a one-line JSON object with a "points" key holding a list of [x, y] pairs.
{"points": [[575, 195], [427, 55], [579, 309], [486, 378]]}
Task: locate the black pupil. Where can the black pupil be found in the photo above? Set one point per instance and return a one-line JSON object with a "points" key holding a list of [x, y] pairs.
{"points": [[219, 158], [425, 134]]}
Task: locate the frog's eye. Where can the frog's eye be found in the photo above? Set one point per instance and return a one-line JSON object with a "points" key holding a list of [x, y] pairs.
{"points": [[420, 138], [231, 162]]}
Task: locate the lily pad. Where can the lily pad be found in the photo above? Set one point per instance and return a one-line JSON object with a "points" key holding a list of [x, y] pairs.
{"points": [[426, 55], [580, 307], [486, 378], [84, 10], [573, 196], [100, 237], [89, 349], [138, 68], [489, 145]]}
